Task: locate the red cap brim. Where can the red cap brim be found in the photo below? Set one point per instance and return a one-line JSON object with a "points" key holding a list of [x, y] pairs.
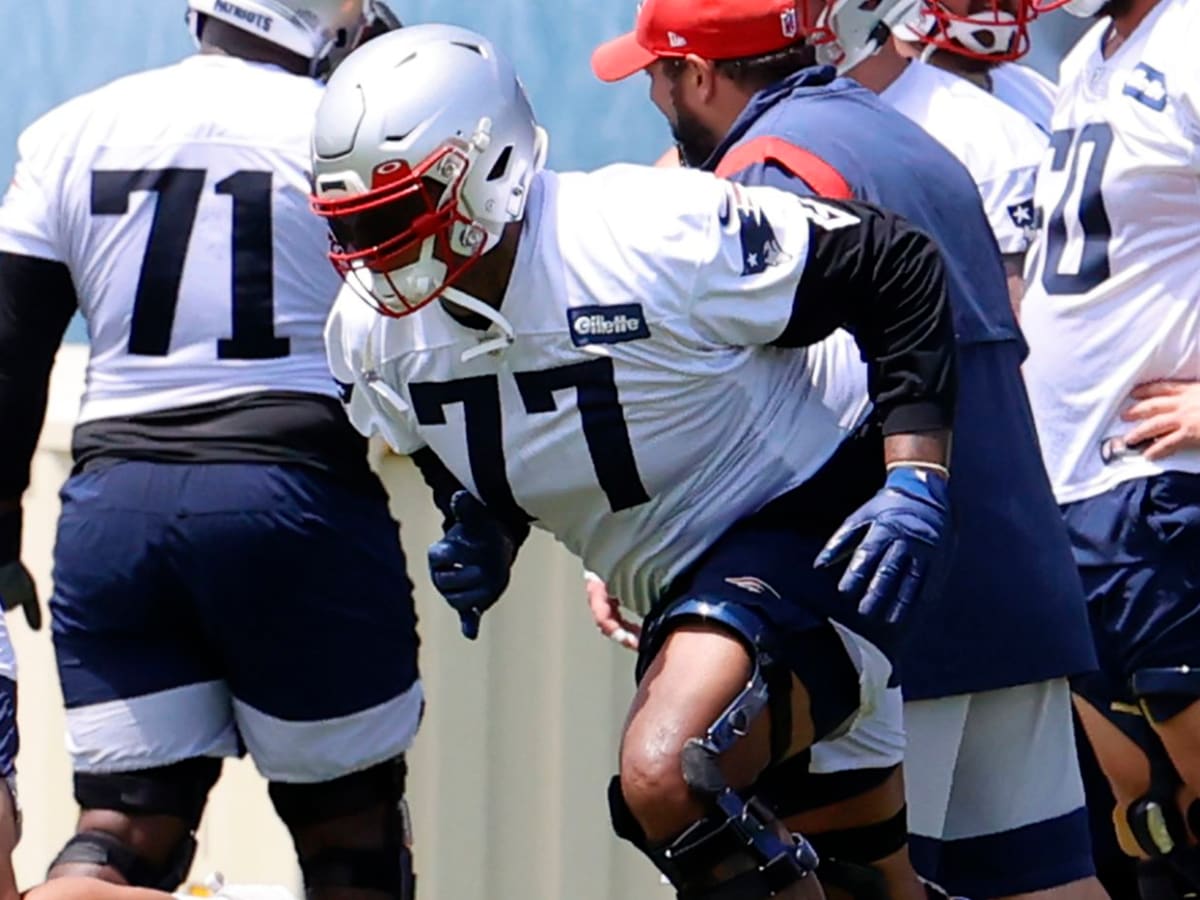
{"points": [[620, 58]]}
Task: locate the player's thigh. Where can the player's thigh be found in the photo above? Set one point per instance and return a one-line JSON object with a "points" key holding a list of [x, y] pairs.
{"points": [[1143, 582], [313, 611], [141, 685], [1017, 794], [747, 605]]}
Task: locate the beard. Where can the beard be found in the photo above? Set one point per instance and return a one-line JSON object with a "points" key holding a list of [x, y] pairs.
{"points": [[695, 142], [1115, 8]]}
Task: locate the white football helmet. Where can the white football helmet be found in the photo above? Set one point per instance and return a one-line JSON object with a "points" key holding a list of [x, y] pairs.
{"points": [[1084, 9], [855, 30], [996, 31], [424, 148], [321, 31]]}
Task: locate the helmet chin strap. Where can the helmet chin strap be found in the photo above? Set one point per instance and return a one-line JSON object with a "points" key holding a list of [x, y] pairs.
{"points": [[491, 342]]}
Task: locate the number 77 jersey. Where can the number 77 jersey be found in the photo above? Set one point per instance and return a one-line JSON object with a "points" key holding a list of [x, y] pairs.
{"points": [[639, 410], [177, 198], [1113, 283]]}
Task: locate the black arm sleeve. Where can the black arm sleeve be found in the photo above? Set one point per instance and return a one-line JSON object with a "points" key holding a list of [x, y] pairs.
{"points": [[444, 486], [37, 300], [883, 280]]}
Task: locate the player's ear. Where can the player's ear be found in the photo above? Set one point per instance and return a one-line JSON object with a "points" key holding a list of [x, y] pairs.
{"points": [[701, 74]]}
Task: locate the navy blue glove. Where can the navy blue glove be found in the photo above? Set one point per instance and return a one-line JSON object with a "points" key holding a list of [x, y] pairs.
{"points": [[470, 564], [894, 537], [16, 585]]}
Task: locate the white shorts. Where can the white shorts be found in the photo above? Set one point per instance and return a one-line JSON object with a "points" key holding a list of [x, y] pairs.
{"points": [[874, 737], [995, 798]]}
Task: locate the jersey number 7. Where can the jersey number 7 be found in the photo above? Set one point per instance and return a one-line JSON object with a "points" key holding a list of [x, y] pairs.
{"points": [[179, 192], [1093, 141], [604, 427]]}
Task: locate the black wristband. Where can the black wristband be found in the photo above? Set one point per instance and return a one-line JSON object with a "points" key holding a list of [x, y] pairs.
{"points": [[10, 535]]}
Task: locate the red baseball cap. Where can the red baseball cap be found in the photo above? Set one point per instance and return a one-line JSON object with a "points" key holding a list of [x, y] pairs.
{"points": [[711, 29]]}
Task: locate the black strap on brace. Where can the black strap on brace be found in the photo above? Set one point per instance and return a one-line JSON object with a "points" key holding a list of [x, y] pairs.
{"points": [[99, 848]]}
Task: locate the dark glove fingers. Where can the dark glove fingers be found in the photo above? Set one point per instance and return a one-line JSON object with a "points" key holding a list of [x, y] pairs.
{"points": [[887, 582], [863, 563], [467, 578], [468, 511], [468, 620], [839, 547]]}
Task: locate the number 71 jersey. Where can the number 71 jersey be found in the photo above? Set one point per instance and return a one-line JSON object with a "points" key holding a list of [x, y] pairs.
{"points": [[1113, 282], [178, 200], [640, 410]]}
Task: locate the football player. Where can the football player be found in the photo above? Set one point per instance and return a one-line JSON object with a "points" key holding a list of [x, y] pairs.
{"points": [[632, 360], [1114, 328], [219, 495], [743, 97], [981, 40]]}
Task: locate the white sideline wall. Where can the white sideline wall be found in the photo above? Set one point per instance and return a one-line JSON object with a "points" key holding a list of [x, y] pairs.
{"points": [[508, 775]]}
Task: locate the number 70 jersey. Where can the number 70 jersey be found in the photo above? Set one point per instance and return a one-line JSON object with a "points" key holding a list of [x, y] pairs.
{"points": [[1113, 282], [640, 410], [178, 200]]}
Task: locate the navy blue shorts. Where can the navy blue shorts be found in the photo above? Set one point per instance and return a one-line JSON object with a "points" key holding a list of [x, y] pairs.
{"points": [[764, 566], [1138, 550], [200, 610]]}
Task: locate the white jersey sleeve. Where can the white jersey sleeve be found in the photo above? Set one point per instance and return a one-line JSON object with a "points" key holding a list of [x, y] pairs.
{"points": [[1027, 91], [753, 252], [374, 409], [1000, 147], [27, 221]]}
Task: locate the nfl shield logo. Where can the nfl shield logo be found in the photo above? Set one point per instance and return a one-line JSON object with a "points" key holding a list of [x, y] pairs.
{"points": [[788, 24]]}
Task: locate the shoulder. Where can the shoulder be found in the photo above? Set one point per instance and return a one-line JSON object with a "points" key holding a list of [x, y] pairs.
{"points": [[1075, 62], [643, 214], [347, 329], [989, 137]]}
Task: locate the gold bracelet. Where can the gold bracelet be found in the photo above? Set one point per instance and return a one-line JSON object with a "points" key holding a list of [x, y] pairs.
{"points": [[920, 464]]}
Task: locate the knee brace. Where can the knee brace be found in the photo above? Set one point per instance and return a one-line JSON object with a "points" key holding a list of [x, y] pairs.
{"points": [[1166, 691], [387, 868], [99, 848], [1157, 826], [770, 684], [736, 832], [743, 833], [179, 790]]}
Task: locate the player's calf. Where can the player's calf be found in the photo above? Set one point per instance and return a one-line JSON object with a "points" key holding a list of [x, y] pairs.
{"points": [[352, 834]]}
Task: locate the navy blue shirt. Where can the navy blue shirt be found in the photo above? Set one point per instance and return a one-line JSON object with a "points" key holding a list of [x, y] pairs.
{"points": [[1012, 611]]}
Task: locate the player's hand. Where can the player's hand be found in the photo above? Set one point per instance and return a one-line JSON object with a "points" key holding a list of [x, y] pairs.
{"points": [[606, 613], [470, 565], [1167, 414], [894, 537], [18, 590], [16, 586]]}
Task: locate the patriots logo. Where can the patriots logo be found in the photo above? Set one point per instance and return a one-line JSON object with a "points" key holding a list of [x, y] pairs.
{"points": [[1147, 86], [760, 248], [753, 584], [1022, 214]]}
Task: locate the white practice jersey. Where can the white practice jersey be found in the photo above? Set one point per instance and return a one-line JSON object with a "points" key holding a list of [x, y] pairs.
{"points": [[178, 200], [1000, 147], [1026, 90], [1113, 294], [639, 411]]}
